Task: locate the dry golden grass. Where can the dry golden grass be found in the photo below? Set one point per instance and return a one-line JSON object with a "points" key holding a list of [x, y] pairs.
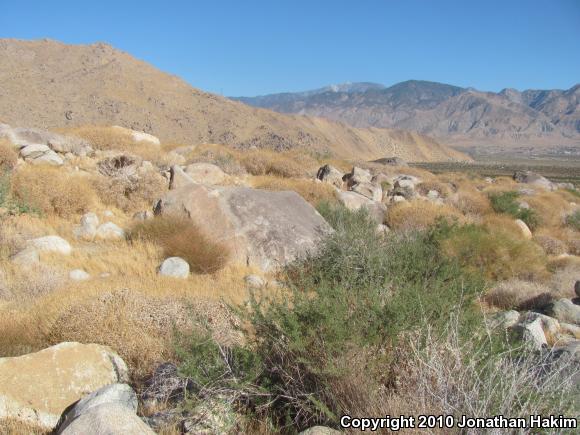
{"points": [[130, 195], [420, 214], [179, 237], [53, 191], [9, 426], [134, 310], [551, 241], [286, 164], [8, 155], [497, 223], [497, 252], [442, 188], [471, 202], [312, 191], [551, 208]]}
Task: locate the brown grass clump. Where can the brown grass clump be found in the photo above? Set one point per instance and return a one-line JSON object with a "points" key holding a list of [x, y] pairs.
{"points": [[551, 244], [133, 194], [312, 191], [420, 215], [471, 202], [8, 155], [89, 310], [496, 252], [12, 426], [550, 207], [179, 237], [288, 164], [442, 188], [52, 191], [519, 295]]}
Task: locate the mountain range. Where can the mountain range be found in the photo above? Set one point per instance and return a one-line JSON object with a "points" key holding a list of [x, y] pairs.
{"points": [[532, 122], [48, 84]]}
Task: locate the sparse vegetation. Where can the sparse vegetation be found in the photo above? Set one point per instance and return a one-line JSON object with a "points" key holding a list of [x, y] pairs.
{"points": [[311, 191], [573, 220], [51, 191], [420, 215], [506, 202], [8, 155]]}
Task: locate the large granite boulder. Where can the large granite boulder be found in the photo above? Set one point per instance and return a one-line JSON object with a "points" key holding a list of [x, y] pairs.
{"points": [[261, 228], [111, 409], [355, 201], [23, 137], [329, 174], [38, 387], [205, 173]]}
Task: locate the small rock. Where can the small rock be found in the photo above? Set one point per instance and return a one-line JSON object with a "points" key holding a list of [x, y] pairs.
{"points": [[532, 334], [433, 194], [383, 229], [175, 267], [530, 177], [54, 244], [108, 213], [255, 281], [110, 231], [90, 220], [526, 232], [78, 275]]}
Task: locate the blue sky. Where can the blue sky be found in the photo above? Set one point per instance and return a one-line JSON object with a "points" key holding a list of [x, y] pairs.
{"points": [[258, 47]]}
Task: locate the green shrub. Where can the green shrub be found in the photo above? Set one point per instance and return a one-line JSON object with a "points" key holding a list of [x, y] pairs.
{"points": [[7, 201], [573, 220], [506, 202], [358, 296]]}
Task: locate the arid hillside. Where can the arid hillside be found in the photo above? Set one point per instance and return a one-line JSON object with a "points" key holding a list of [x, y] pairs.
{"points": [[48, 84]]}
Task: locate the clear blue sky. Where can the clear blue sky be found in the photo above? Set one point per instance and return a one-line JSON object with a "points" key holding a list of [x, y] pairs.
{"points": [[247, 47]]}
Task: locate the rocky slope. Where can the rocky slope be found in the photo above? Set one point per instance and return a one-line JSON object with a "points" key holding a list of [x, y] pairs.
{"points": [[535, 121], [48, 84]]}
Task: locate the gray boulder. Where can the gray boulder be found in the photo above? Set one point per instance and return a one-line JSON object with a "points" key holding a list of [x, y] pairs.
{"points": [[357, 175], [329, 174], [529, 177], [178, 178], [87, 230], [23, 137], [40, 154], [107, 419], [205, 173], [370, 190], [262, 228], [110, 231], [175, 267], [27, 257], [119, 395], [503, 320], [565, 311], [355, 201], [54, 244]]}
